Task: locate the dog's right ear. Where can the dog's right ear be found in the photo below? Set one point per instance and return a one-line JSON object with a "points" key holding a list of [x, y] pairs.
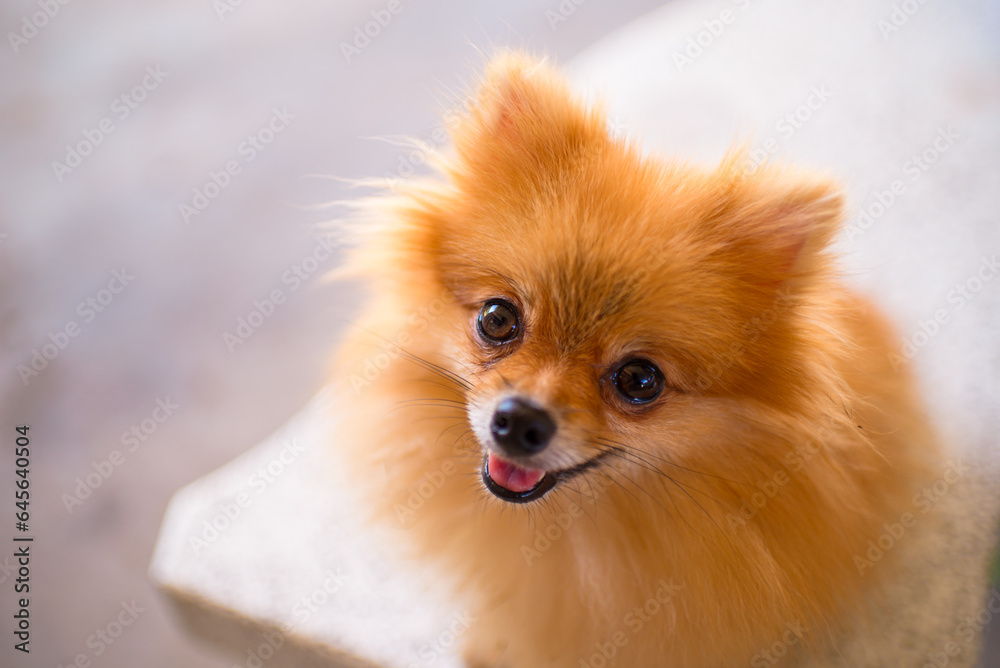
{"points": [[522, 120]]}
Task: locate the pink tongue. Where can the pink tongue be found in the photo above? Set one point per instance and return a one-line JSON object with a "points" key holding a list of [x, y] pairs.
{"points": [[510, 476]]}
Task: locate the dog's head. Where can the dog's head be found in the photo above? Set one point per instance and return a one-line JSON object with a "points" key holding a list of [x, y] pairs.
{"points": [[603, 300]]}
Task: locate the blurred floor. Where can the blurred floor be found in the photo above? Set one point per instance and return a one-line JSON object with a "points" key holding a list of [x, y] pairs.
{"points": [[210, 74]]}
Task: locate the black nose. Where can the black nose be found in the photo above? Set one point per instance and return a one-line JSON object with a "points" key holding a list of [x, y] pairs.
{"points": [[520, 428]]}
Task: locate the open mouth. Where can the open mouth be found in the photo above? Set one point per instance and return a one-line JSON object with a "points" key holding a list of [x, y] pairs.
{"points": [[518, 484]]}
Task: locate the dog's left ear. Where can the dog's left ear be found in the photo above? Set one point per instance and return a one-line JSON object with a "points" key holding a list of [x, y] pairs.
{"points": [[778, 227], [522, 118]]}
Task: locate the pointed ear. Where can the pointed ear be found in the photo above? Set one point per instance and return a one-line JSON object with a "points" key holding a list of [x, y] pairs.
{"points": [[522, 112], [779, 227]]}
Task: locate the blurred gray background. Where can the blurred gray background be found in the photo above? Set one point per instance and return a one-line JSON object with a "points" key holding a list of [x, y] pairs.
{"points": [[222, 69], [161, 337]]}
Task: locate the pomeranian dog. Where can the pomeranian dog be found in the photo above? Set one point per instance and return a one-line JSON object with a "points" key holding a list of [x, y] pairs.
{"points": [[624, 404]]}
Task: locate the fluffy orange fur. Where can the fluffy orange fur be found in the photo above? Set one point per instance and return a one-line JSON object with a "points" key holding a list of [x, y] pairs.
{"points": [[727, 512]]}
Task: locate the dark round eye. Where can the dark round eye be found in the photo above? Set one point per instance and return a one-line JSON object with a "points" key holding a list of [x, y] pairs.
{"points": [[638, 381], [497, 321]]}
